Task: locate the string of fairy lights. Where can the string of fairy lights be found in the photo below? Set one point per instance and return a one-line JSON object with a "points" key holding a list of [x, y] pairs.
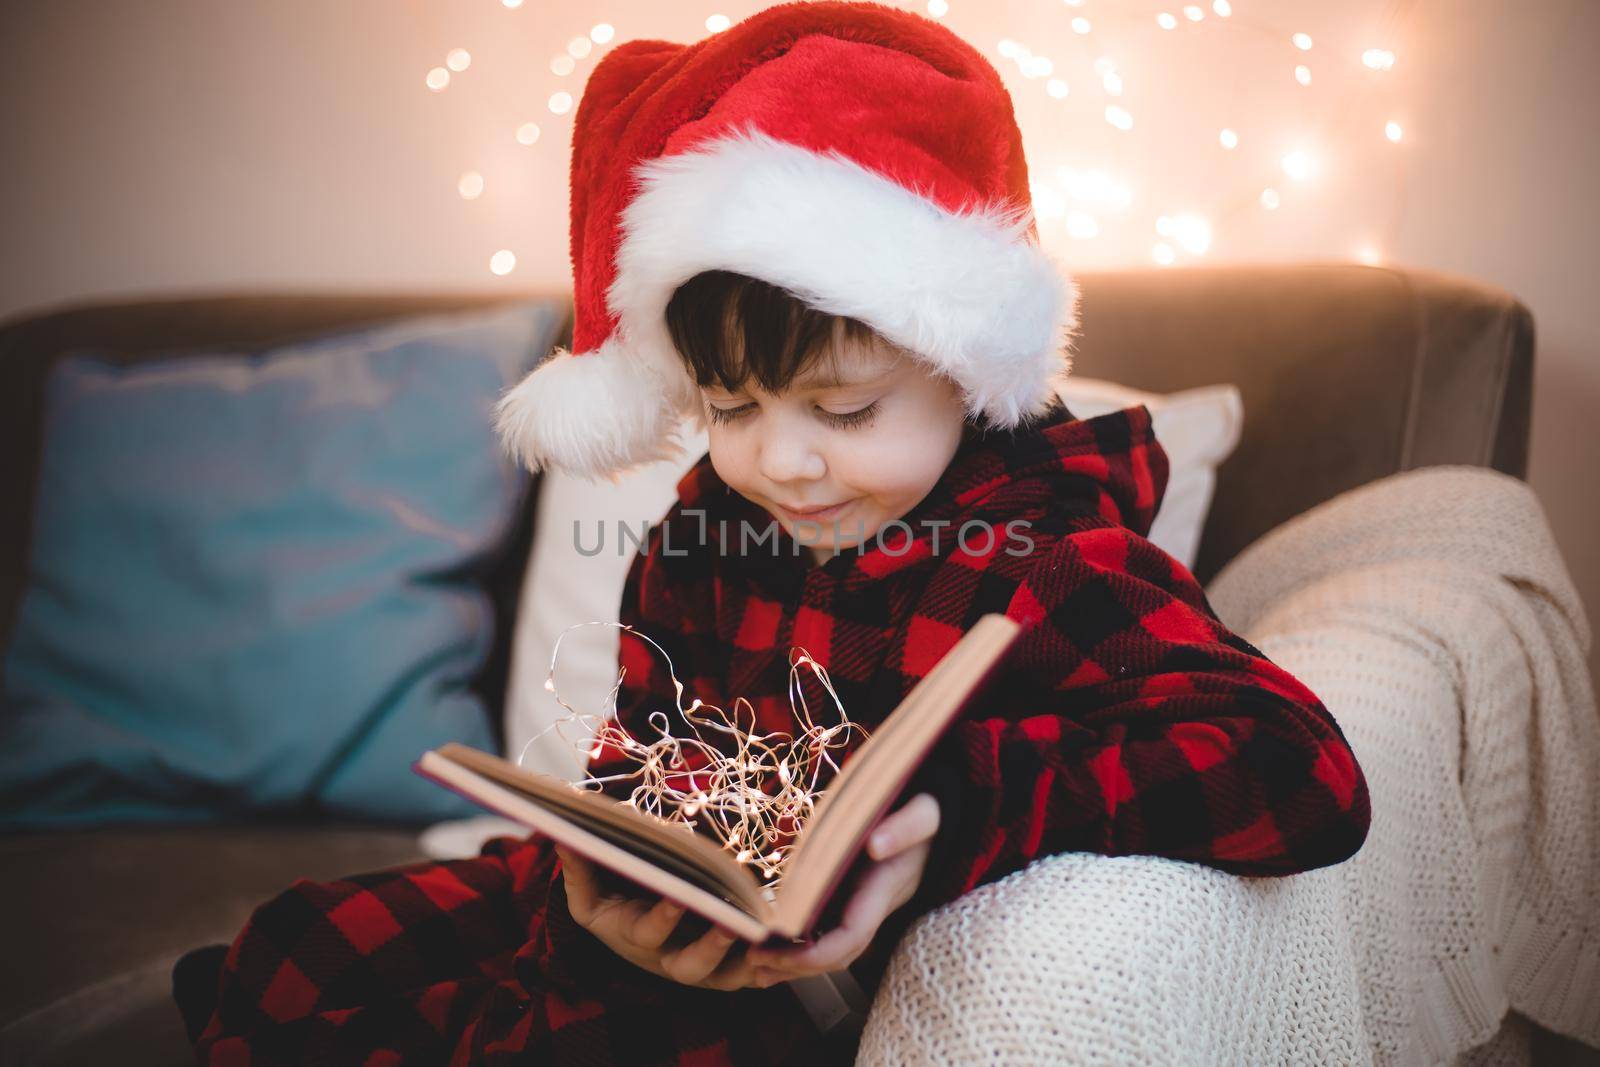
{"points": [[1080, 200], [712, 769]]}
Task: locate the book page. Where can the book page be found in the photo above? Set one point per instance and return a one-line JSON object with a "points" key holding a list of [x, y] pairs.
{"points": [[654, 837], [615, 854], [875, 774]]}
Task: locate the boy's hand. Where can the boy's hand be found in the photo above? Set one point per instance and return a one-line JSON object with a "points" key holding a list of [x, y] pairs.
{"points": [[637, 930], [899, 846]]}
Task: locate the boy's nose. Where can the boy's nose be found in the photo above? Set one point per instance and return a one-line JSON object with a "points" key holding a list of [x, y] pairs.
{"points": [[788, 458]]}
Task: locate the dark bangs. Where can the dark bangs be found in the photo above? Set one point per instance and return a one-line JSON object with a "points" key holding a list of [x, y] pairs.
{"points": [[731, 327]]}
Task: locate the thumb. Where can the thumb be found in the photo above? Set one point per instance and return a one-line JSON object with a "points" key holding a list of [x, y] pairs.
{"points": [[913, 824]]}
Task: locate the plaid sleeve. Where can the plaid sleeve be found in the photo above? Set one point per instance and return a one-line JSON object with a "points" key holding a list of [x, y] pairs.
{"points": [[1137, 723]]}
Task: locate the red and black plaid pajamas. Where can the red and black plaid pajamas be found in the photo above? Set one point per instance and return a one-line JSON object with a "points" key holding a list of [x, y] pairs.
{"points": [[1125, 720]]}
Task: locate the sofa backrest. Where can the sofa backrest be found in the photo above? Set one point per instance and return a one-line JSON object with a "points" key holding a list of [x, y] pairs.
{"points": [[1348, 374]]}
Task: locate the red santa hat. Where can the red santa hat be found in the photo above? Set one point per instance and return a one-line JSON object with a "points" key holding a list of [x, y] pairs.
{"points": [[862, 157]]}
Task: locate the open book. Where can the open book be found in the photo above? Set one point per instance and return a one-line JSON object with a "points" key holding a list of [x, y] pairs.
{"points": [[692, 869]]}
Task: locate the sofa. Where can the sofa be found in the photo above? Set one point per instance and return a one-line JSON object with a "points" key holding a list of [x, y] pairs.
{"points": [[1349, 374]]}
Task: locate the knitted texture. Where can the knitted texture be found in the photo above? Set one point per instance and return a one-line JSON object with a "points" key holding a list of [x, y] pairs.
{"points": [[1431, 611]]}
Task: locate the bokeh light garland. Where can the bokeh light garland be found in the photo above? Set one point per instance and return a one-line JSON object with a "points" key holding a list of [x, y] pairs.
{"points": [[1088, 202]]}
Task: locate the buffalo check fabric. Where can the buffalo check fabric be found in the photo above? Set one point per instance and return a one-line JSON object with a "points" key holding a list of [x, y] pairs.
{"points": [[1126, 719], [471, 961]]}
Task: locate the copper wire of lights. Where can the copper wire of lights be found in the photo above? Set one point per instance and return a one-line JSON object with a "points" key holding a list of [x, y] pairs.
{"points": [[711, 769]]}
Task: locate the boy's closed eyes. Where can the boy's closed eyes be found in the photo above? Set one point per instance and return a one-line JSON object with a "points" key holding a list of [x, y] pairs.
{"points": [[851, 444]]}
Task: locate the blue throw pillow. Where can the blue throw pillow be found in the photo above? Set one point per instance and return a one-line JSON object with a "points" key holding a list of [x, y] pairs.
{"points": [[247, 589]]}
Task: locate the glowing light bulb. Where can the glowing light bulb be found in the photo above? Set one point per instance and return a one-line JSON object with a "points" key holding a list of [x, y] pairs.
{"points": [[1302, 74], [562, 65], [1269, 199], [1369, 255], [1163, 254], [1094, 186], [438, 79], [1228, 139], [470, 185], [1082, 225], [1166, 21], [1193, 12], [1302, 41], [1298, 164], [561, 103], [1222, 8], [528, 133], [513, 4], [601, 32], [1192, 232], [579, 47], [1080, 25], [1393, 131], [938, 8], [458, 60], [1378, 58], [1119, 118], [1047, 203], [718, 23], [1056, 88]]}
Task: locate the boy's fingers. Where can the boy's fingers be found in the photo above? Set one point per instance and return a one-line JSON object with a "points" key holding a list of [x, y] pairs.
{"points": [[652, 928], [735, 973], [875, 898], [833, 950], [695, 961], [913, 824], [579, 878]]}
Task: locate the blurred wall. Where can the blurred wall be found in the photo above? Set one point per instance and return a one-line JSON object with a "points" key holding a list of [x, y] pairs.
{"points": [[154, 146]]}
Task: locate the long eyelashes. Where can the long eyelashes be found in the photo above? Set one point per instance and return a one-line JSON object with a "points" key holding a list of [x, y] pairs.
{"points": [[849, 420]]}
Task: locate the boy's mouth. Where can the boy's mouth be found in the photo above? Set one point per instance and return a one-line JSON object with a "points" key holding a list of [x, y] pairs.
{"points": [[815, 514]]}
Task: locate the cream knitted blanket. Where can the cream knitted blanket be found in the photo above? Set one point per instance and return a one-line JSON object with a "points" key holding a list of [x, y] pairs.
{"points": [[1432, 613]]}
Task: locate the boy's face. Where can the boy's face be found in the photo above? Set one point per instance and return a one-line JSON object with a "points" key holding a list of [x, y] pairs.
{"points": [[866, 434]]}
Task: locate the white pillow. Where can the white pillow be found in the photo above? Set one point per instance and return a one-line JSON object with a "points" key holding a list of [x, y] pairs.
{"points": [[563, 586], [1198, 428]]}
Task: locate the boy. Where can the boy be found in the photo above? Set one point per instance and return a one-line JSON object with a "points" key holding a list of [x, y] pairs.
{"points": [[812, 230]]}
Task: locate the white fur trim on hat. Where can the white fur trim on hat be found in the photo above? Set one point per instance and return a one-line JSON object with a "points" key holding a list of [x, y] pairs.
{"points": [[967, 292], [594, 415]]}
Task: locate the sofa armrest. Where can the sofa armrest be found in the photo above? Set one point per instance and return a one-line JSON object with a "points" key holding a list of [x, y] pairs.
{"points": [[1131, 959]]}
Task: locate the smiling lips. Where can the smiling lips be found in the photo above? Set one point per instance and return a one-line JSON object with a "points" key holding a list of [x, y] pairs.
{"points": [[817, 513]]}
